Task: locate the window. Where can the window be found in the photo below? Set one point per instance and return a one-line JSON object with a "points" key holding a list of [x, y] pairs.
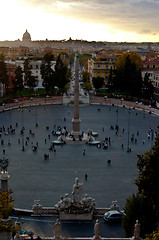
{"points": [[98, 65], [106, 66]]}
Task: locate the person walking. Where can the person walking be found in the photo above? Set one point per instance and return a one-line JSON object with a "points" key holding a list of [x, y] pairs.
{"points": [[86, 177]]}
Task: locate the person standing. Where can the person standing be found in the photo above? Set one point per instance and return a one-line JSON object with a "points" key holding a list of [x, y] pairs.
{"points": [[86, 177]]}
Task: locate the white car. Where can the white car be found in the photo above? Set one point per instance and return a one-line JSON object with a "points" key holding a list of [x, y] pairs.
{"points": [[113, 216]]}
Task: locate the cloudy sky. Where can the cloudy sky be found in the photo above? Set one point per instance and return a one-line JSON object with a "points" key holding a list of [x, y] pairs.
{"points": [[98, 20]]}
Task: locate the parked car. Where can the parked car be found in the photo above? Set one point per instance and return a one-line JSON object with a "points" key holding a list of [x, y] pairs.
{"points": [[113, 216], [25, 232]]}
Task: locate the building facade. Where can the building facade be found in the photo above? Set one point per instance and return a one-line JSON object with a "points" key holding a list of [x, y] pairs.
{"points": [[152, 67], [101, 67], [35, 69]]}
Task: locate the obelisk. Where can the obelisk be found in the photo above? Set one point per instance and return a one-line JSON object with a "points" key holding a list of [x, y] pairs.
{"points": [[76, 121]]}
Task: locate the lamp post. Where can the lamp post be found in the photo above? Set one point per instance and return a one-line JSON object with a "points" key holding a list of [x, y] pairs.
{"points": [[36, 122], [117, 115], [22, 131], [128, 148]]}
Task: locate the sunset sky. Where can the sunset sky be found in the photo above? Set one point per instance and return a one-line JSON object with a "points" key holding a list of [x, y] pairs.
{"points": [[98, 20]]}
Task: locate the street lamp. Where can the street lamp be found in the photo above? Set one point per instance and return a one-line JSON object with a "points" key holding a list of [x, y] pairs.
{"points": [[22, 130], [128, 148], [117, 115], [36, 123]]}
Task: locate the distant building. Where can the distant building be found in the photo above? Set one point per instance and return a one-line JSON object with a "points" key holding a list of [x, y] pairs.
{"points": [[2, 89], [35, 69], [82, 46], [26, 37], [152, 67], [101, 67], [11, 76]]}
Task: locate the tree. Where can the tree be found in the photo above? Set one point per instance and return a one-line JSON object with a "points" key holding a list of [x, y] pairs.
{"points": [[148, 177], [6, 204], [147, 88], [83, 59], [29, 79], [85, 76], [3, 71], [145, 205], [153, 236], [111, 82], [68, 74], [87, 86], [60, 74], [134, 59], [138, 208], [47, 72], [18, 81], [98, 82], [128, 77]]}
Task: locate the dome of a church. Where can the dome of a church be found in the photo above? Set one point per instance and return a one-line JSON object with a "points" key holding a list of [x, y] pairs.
{"points": [[26, 37]]}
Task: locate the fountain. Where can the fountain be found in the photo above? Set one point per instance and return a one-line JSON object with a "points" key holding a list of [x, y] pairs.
{"points": [[77, 208]]}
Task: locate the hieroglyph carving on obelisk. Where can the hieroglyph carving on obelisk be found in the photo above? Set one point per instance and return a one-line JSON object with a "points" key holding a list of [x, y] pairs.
{"points": [[76, 120]]}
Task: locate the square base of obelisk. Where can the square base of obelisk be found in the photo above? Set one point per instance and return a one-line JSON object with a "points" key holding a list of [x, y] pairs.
{"points": [[76, 133]]}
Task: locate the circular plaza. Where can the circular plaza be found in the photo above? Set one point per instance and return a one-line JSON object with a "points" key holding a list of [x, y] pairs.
{"points": [[35, 178]]}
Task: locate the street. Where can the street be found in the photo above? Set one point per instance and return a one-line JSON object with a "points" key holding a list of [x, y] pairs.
{"points": [[44, 226]]}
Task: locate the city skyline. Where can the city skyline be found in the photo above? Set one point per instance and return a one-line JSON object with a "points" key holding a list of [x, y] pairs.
{"points": [[96, 20]]}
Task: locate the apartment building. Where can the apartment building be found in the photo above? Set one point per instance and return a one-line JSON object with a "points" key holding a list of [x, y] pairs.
{"points": [[152, 67], [101, 67], [35, 68]]}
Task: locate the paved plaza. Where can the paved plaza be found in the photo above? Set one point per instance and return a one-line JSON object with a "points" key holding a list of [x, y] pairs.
{"points": [[32, 177]]}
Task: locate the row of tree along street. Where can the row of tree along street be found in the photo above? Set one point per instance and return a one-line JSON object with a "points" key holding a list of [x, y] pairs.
{"points": [[52, 78], [127, 78]]}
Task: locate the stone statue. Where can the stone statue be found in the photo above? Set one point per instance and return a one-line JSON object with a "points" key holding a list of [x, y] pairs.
{"points": [[77, 205], [137, 230], [97, 230], [86, 201], [57, 229], [66, 201], [77, 191], [37, 208], [18, 228], [114, 206], [60, 205]]}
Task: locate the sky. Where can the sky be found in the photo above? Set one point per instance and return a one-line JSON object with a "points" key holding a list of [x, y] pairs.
{"points": [[91, 20]]}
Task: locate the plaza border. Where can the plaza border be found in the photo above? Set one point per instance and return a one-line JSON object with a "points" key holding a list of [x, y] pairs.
{"points": [[58, 100]]}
